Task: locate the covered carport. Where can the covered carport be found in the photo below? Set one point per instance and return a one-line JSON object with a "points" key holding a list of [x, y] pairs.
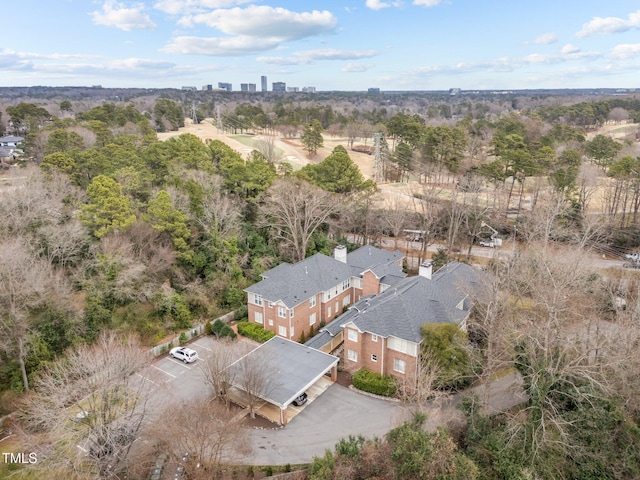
{"points": [[284, 370]]}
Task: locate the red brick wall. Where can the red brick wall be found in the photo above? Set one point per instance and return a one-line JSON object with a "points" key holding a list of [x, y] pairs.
{"points": [[370, 284]]}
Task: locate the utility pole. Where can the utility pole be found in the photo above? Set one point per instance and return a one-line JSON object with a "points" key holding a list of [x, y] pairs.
{"points": [[194, 114], [377, 161], [218, 119]]}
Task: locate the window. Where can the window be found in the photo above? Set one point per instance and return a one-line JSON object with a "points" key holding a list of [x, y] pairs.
{"points": [[270, 304], [352, 355], [258, 317], [374, 337], [291, 333], [374, 357], [282, 312], [329, 312], [291, 312], [352, 335], [398, 365], [312, 302], [346, 300], [257, 299], [345, 285], [337, 307], [312, 319], [271, 322], [282, 331]]}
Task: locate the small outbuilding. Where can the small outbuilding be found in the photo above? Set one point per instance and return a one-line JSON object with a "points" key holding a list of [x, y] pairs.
{"points": [[280, 370]]}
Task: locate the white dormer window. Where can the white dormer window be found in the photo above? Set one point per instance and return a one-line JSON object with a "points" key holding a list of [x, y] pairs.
{"points": [[257, 299], [346, 284]]}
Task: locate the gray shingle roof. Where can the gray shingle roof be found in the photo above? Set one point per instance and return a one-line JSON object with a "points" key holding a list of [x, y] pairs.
{"points": [[401, 311], [292, 368], [293, 284]]}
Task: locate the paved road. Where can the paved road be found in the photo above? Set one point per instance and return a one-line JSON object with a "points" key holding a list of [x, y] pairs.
{"points": [[337, 413], [341, 412]]}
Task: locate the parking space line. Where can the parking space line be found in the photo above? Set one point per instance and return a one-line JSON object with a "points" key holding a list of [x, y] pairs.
{"points": [[179, 363], [163, 371], [202, 346], [145, 378]]}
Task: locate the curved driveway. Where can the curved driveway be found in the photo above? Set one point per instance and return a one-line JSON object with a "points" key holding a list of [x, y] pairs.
{"points": [[337, 413]]}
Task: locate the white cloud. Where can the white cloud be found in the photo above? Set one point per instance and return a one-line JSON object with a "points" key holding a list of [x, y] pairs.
{"points": [[267, 22], [310, 56], [569, 49], [504, 64], [379, 4], [352, 67], [626, 50], [219, 46], [182, 7], [427, 3], [609, 25], [251, 30], [544, 39], [115, 14]]}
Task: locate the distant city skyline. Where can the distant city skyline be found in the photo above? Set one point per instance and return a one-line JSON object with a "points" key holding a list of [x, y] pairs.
{"points": [[353, 45]]}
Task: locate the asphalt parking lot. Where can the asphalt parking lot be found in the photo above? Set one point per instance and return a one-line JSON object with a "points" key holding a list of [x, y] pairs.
{"points": [[334, 414]]}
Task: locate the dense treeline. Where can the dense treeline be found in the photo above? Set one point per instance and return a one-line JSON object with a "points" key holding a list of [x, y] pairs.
{"points": [[111, 229]]}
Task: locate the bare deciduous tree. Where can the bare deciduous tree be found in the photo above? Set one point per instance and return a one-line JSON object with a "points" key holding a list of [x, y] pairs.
{"points": [[202, 436], [294, 210], [89, 407], [256, 376], [26, 283], [215, 369], [266, 145]]}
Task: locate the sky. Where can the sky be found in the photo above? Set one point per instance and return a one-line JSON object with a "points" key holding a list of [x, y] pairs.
{"points": [[348, 45]]}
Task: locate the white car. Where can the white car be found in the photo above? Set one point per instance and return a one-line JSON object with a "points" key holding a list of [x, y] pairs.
{"points": [[187, 355], [487, 243]]}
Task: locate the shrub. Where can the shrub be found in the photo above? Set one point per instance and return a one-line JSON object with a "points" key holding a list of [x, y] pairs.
{"points": [[221, 330], [303, 339], [312, 332], [182, 338], [375, 383], [254, 332]]}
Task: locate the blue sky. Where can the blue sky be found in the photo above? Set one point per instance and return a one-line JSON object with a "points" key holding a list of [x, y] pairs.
{"points": [[332, 45]]}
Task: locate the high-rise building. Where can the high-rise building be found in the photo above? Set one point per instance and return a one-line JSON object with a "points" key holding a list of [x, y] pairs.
{"points": [[225, 86], [293, 89], [309, 89], [278, 87], [207, 88], [247, 87], [263, 82]]}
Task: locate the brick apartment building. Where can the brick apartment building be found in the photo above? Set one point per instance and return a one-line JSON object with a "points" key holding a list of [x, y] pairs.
{"points": [[294, 298], [382, 332]]}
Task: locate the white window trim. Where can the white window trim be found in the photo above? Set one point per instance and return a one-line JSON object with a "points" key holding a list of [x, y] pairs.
{"points": [[282, 331], [312, 319], [352, 355], [374, 337], [312, 302], [282, 312], [374, 357], [398, 362], [257, 299], [352, 335]]}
